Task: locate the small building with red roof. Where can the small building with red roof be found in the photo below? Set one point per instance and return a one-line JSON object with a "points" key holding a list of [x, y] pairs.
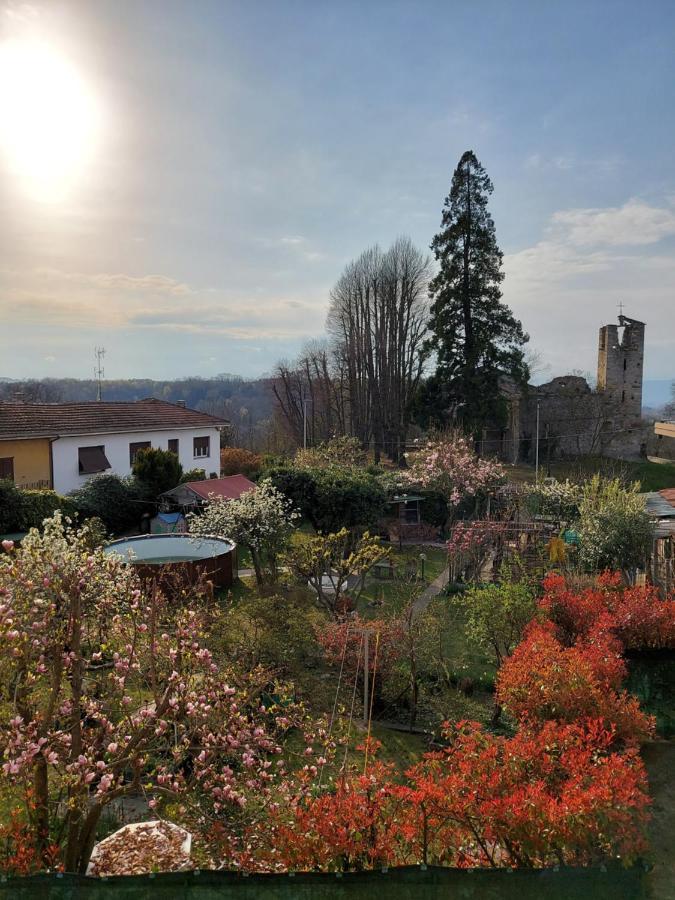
{"points": [[193, 494]]}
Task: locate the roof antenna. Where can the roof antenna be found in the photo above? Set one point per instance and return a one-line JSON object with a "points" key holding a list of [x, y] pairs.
{"points": [[99, 371]]}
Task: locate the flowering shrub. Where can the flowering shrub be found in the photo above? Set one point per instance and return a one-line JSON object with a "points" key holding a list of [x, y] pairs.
{"points": [[469, 546], [334, 558], [543, 680], [453, 468], [116, 693], [260, 520], [559, 499]]}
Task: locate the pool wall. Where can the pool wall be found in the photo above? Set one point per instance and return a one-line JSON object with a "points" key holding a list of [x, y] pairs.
{"points": [[219, 568]]}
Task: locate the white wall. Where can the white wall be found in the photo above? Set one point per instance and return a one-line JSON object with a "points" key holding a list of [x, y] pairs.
{"points": [[116, 448]]}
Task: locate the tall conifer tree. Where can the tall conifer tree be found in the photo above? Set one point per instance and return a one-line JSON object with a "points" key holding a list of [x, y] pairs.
{"points": [[475, 336]]}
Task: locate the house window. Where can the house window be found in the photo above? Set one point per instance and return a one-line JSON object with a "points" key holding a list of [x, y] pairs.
{"points": [[201, 447], [135, 447], [92, 459], [173, 445], [7, 467]]}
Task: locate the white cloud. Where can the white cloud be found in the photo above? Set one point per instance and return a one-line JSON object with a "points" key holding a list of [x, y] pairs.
{"points": [[568, 284], [635, 223]]}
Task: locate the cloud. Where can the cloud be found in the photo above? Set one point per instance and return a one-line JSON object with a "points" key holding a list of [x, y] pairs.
{"points": [[156, 284], [569, 283], [635, 223]]}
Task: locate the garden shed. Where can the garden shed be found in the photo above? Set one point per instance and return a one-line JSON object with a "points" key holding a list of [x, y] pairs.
{"points": [[190, 496]]}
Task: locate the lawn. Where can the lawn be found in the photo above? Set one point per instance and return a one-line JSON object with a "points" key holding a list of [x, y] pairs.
{"points": [[652, 476], [392, 594]]}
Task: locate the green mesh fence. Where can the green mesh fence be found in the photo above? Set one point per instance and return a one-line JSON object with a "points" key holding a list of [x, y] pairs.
{"points": [[412, 883]]}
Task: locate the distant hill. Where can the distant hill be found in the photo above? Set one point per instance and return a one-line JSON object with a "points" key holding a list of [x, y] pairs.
{"points": [[248, 405]]}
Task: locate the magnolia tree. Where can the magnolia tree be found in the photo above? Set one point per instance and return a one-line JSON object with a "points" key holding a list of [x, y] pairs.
{"points": [[451, 467], [328, 563], [112, 692], [260, 520]]}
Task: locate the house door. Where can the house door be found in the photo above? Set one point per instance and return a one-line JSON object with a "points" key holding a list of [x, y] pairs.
{"points": [[7, 467]]}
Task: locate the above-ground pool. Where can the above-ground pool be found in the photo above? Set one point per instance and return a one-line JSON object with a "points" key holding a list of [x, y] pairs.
{"points": [[193, 556]]}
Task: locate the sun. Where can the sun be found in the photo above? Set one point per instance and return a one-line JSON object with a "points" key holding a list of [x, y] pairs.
{"points": [[49, 118]]}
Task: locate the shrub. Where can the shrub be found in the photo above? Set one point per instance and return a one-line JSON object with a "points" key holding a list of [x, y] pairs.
{"points": [[193, 475], [637, 616], [544, 681], [22, 510], [41, 505], [10, 507], [115, 501], [343, 452], [238, 461], [349, 499], [156, 471], [614, 528]]}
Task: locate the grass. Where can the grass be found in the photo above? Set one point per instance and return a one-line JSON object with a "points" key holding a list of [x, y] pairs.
{"points": [[652, 476], [396, 592]]}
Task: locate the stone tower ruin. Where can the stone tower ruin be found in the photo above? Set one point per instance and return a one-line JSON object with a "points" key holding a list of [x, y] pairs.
{"points": [[620, 366]]}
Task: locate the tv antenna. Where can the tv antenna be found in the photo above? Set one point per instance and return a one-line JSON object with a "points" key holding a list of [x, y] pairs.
{"points": [[99, 371]]}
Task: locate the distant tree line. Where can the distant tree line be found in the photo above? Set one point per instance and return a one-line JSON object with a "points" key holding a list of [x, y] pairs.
{"points": [[247, 404]]}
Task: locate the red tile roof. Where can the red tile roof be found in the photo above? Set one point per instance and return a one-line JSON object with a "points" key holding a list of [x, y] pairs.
{"points": [[25, 420], [231, 487]]}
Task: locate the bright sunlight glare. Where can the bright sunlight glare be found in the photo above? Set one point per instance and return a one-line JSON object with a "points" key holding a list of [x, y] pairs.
{"points": [[49, 120]]}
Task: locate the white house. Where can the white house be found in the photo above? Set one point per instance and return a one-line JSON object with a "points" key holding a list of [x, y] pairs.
{"points": [[88, 438]]}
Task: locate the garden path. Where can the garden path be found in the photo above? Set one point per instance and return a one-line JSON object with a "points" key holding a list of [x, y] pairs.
{"points": [[437, 585]]}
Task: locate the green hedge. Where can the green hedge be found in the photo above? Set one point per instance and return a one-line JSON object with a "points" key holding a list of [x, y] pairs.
{"points": [[21, 510], [332, 498]]}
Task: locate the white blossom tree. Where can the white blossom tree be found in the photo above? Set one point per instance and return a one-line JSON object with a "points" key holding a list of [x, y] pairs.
{"points": [[260, 520]]}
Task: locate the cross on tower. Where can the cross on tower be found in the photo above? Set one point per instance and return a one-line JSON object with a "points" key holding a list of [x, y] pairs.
{"points": [[620, 305]]}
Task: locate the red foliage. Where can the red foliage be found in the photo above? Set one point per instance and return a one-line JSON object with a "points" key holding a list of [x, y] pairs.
{"points": [[637, 616], [558, 794], [543, 680], [539, 798], [346, 637], [19, 853]]}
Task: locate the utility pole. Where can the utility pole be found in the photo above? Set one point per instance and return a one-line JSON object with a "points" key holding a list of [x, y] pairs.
{"points": [[305, 401], [99, 353], [366, 675], [536, 448]]}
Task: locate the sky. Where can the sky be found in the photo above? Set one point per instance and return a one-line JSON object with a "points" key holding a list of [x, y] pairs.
{"points": [[183, 182]]}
